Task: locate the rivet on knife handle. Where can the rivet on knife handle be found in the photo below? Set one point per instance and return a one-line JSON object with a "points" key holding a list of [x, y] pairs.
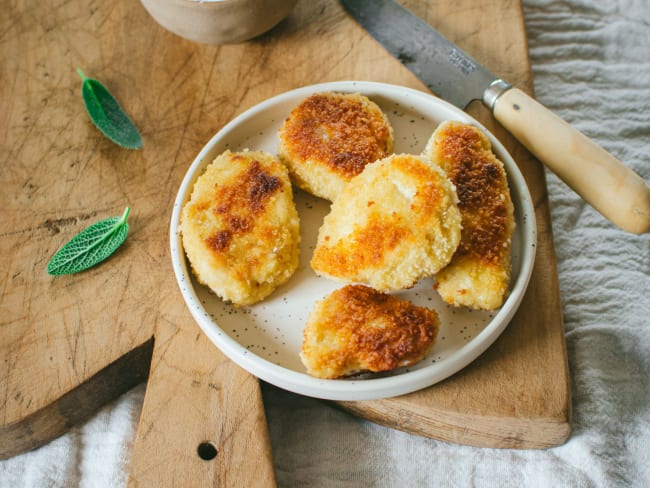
{"points": [[599, 178]]}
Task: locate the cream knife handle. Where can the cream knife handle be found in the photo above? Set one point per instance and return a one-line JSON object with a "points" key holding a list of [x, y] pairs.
{"points": [[599, 178]]}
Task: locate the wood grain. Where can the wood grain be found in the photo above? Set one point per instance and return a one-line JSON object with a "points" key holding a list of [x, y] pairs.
{"points": [[59, 175], [195, 400]]}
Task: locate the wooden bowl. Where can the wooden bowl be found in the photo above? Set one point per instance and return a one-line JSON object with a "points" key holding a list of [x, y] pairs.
{"points": [[218, 21]]}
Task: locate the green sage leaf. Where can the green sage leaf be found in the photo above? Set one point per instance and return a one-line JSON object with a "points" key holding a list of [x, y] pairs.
{"points": [[91, 246], [107, 115]]}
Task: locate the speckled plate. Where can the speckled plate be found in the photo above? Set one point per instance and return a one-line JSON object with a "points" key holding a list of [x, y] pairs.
{"points": [[265, 339]]}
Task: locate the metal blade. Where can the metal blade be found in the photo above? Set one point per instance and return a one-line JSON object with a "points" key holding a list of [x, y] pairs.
{"points": [[445, 69]]}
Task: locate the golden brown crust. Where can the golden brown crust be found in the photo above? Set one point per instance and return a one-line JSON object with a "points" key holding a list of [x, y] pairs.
{"points": [[357, 329], [392, 225], [240, 228], [367, 247], [241, 203], [481, 185], [330, 137], [465, 153]]}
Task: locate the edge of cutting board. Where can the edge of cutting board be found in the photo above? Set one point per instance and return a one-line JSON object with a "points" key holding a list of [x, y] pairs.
{"points": [[77, 405]]}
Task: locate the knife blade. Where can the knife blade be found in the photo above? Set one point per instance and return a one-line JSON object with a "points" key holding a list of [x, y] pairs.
{"points": [[603, 181]]}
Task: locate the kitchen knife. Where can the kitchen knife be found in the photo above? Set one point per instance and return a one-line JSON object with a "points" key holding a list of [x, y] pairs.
{"points": [[599, 178]]}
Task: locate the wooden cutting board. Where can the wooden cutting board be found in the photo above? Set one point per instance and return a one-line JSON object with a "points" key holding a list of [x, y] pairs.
{"points": [[70, 344]]}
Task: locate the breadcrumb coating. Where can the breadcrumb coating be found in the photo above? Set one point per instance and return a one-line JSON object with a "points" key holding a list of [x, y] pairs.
{"points": [[240, 228], [392, 225], [357, 329], [479, 273], [329, 138]]}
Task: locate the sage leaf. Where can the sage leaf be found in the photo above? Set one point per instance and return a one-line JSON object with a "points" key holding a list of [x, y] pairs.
{"points": [[91, 246], [107, 115]]}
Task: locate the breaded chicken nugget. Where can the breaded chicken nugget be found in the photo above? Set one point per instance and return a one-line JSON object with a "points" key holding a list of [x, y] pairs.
{"points": [[240, 228], [330, 137], [479, 273], [393, 224], [358, 329]]}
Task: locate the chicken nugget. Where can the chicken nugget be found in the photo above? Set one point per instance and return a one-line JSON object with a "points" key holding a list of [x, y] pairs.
{"points": [[357, 329], [240, 228], [392, 225], [329, 138], [479, 273]]}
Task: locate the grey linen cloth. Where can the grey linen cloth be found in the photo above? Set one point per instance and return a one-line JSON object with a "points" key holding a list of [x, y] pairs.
{"points": [[591, 62]]}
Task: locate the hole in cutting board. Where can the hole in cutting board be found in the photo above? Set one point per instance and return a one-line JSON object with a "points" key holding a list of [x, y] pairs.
{"points": [[207, 451]]}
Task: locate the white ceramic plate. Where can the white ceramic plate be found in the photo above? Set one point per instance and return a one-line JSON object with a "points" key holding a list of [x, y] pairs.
{"points": [[265, 339]]}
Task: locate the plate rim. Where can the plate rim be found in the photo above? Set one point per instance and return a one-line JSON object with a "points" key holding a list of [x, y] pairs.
{"points": [[367, 388]]}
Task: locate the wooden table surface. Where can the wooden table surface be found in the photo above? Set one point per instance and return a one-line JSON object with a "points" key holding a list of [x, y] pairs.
{"points": [[70, 344]]}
